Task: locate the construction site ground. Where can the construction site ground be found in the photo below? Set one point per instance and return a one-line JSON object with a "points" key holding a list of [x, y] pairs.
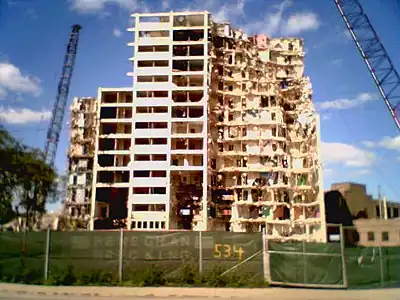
{"points": [[34, 292]]}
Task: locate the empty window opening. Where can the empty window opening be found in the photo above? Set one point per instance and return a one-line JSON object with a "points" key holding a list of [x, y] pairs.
{"points": [[124, 112], [159, 174], [108, 97], [142, 141], [264, 101], [151, 109], [187, 144], [154, 19], [122, 160], [106, 144], [151, 125], [108, 113], [152, 63], [141, 174], [385, 236], [187, 128], [188, 35], [161, 48], [187, 160], [189, 21], [389, 212], [371, 236], [152, 94], [159, 157], [154, 141], [159, 141], [187, 65], [148, 207], [154, 34], [142, 157], [272, 101], [188, 50], [113, 176], [112, 205], [159, 190], [187, 96], [152, 78], [188, 81], [141, 191], [150, 190]]}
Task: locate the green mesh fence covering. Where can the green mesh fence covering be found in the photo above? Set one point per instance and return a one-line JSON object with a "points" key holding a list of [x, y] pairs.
{"points": [[85, 251], [240, 253], [321, 264], [373, 267], [305, 263], [167, 251], [227, 250], [22, 253]]}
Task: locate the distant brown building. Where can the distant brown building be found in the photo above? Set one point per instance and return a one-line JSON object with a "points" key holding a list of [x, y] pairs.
{"points": [[377, 224], [364, 205]]}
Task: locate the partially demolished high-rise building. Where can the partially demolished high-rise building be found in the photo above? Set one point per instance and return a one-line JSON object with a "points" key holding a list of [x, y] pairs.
{"points": [[80, 154], [217, 132]]}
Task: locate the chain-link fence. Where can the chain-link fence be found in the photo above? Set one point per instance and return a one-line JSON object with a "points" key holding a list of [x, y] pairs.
{"points": [[124, 253]]}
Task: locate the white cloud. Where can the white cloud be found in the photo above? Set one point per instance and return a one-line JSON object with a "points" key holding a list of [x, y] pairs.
{"points": [[117, 32], [22, 115], [326, 116], [94, 6], [369, 144], [164, 4], [3, 93], [346, 155], [12, 79], [387, 142], [392, 143], [346, 103], [347, 33], [361, 172], [300, 22], [270, 25], [227, 12], [328, 172], [337, 61]]}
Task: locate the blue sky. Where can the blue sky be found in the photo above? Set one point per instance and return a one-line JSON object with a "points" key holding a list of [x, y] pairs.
{"points": [[360, 140]]}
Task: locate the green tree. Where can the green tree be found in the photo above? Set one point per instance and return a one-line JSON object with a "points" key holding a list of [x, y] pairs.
{"points": [[25, 179]]}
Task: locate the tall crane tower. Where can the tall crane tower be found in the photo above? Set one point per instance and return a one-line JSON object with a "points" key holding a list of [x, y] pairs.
{"points": [[53, 133], [373, 53]]}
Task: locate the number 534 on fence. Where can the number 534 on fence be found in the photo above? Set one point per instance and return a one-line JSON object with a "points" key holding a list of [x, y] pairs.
{"points": [[227, 251]]}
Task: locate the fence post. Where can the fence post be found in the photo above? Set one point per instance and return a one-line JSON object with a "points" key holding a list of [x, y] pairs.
{"points": [[121, 254], [200, 252], [381, 266], [304, 262], [266, 266], [47, 255], [344, 268]]}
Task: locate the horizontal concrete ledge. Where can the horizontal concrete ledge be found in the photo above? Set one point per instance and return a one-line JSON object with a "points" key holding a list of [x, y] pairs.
{"points": [[223, 293]]}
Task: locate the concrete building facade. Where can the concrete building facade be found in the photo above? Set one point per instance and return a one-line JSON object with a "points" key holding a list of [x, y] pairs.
{"points": [[378, 232], [217, 132]]}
